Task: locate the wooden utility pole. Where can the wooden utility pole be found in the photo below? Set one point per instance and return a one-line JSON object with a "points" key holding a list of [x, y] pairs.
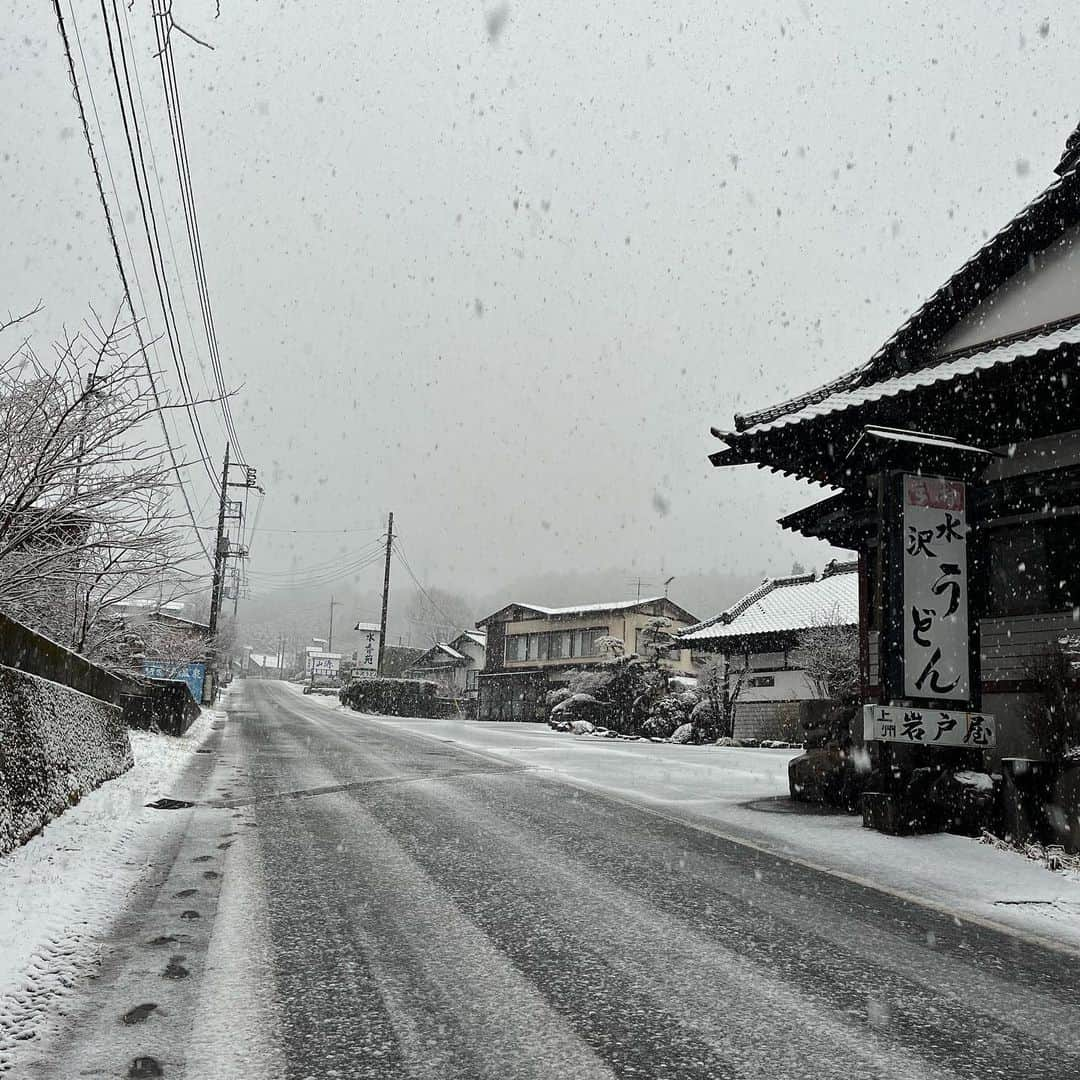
{"points": [[219, 578], [385, 590], [330, 635]]}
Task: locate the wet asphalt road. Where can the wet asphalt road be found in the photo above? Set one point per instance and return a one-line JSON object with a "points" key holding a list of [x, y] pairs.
{"points": [[434, 912]]}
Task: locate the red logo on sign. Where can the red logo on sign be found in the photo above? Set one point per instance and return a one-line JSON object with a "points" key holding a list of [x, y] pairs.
{"points": [[936, 493]]}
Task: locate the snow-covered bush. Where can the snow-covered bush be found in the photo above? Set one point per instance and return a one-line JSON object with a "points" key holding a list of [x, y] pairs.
{"points": [[579, 707], [668, 713], [556, 697], [393, 697], [628, 692]]}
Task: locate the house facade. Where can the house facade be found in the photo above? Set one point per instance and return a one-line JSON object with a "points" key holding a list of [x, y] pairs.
{"points": [[954, 454], [454, 665], [532, 649], [760, 644]]}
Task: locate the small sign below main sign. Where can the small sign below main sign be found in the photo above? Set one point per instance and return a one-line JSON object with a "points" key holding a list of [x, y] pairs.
{"points": [[917, 726]]}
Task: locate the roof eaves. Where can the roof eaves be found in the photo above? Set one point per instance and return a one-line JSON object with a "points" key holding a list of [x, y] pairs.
{"points": [[959, 293]]}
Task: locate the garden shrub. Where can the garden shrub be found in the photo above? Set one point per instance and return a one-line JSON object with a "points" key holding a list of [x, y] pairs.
{"points": [[393, 697]]}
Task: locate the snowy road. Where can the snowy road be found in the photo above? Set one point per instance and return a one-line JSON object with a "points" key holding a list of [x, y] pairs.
{"points": [[395, 905]]}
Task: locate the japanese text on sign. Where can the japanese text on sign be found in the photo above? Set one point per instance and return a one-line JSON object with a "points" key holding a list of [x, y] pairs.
{"points": [[935, 622], [325, 665], [367, 655], [929, 727]]}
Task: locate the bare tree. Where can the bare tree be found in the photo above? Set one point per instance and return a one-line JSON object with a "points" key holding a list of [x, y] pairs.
{"points": [[85, 490], [829, 654], [438, 615], [721, 682]]}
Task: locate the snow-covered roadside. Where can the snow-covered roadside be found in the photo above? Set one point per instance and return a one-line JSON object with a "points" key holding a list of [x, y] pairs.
{"points": [[60, 891], [741, 794]]}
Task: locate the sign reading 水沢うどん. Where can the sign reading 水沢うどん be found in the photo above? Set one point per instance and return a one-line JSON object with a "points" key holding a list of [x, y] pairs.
{"points": [[936, 649], [929, 727]]}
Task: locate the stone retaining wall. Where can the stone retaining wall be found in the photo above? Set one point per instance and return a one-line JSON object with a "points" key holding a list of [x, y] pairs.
{"points": [[56, 745]]}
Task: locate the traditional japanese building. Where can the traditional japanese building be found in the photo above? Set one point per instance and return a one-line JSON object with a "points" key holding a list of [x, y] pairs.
{"points": [[954, 457], [761, 638], [453, 664], [532, 649]]}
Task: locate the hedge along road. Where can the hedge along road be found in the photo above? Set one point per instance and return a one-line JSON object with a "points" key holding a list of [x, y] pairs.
{"points": [[430, 911]]}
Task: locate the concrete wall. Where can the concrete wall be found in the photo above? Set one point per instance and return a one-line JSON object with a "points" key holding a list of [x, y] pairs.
{"points": [[56, 745], [22, 648], [164, 704]]}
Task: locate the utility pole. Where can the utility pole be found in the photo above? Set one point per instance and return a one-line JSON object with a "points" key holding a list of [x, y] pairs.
{"points": [[330, 636], [215, 592], [385, 590], [222, 553]]}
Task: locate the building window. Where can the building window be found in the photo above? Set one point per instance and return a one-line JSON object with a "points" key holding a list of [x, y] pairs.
{"points": [[553, 644], [761, 680], [1033, 568]]}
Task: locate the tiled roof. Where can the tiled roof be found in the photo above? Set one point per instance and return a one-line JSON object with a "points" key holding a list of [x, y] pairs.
{"points": [[477, 637], [1035, 227], [944, 371], [783, 605]]}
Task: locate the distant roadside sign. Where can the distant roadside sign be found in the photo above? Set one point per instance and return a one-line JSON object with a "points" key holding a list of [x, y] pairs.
{"points": [[324, 665], [367, 654]]}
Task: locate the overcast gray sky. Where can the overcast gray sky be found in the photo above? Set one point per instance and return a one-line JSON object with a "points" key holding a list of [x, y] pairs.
{"points": [[503, 284]]}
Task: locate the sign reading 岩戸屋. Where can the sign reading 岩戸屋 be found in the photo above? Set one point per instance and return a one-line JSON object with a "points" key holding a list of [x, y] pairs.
{"points": [[919, 726], [936, 649]]}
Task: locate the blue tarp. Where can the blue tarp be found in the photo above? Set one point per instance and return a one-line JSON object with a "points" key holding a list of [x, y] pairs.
{"points": [[192, 674]]}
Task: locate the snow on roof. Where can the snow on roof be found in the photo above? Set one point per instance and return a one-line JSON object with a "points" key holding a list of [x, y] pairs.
{"points": [[1037, 225], [263, 660], [944, 371], [477, 637], [587, 609], [433, 656], [781, 605]]}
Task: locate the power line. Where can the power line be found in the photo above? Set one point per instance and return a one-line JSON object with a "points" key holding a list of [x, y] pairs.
{"points": [[134, 266], [191, 219], [405, 562], [329, 578], [343, 559], [343, 562], [149, 218], [119, 260], [161, 194]]}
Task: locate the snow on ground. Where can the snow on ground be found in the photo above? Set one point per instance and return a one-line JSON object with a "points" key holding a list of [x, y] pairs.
{"points": [[60, 891], [742, 794]]}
